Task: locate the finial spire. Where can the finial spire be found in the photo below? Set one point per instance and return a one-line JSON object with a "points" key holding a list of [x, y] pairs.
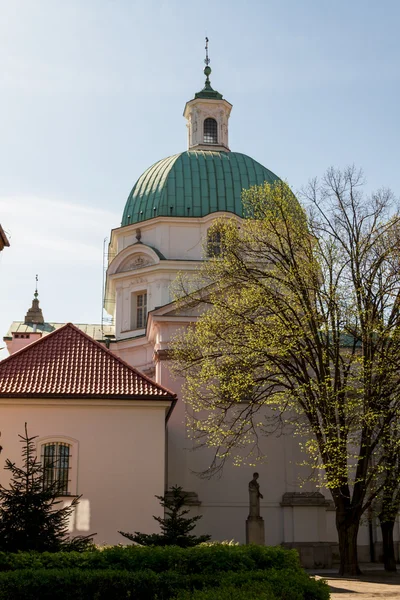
{"points": [[36, 290], [207, 69], [207, 60]]}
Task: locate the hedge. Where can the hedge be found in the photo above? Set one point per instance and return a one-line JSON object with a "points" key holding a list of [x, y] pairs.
{"points": [[200, 559], [85, 584], [254, 592]]}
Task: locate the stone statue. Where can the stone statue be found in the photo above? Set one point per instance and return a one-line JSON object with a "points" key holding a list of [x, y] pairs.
{"points": [[255, 495]]}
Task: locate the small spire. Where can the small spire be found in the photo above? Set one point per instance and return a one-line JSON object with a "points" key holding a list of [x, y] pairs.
{"points": [[34, 314], [207, 68], [207, 60], [207, 91]]}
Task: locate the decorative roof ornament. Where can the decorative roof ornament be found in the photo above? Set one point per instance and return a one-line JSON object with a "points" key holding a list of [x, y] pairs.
{"points": [[207, 91], [207, 69], [207, 60], [3, 239], [34, 314]]}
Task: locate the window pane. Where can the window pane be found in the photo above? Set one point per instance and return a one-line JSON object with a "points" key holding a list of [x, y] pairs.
{"points": [[214, 243], [141, 310], [56, 464], [210, 131]]}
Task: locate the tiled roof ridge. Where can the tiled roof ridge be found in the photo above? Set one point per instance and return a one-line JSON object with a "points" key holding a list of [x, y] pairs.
{"points": [[118, 359], [114, 357], [31, 344]]}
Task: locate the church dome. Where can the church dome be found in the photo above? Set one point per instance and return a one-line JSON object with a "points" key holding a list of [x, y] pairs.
{"points": [[194, 183]]}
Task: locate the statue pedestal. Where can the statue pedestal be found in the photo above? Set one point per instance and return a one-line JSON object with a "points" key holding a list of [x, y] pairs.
{"points": [[255, 533]]}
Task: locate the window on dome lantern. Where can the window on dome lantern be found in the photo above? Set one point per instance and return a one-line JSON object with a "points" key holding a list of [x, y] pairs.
{"points": [[55, 457], [139, 310], [210, 131]]}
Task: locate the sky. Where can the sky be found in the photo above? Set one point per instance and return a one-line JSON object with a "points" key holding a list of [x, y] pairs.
{"points": [[92, 93]]}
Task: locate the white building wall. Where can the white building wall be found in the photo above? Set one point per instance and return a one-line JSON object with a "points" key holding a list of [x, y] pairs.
{"points": [[120, 463], [223, 501]]}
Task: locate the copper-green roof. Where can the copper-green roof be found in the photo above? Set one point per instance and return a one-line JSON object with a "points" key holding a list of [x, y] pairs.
{"points": [[97, 332], [194, 184]]}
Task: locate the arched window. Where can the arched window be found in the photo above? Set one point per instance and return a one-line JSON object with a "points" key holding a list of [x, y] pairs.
{"points": [[210, 131], [55, 458]]}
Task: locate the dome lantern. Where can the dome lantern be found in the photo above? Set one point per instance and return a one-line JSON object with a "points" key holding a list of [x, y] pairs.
{"points": [[207, 117]]}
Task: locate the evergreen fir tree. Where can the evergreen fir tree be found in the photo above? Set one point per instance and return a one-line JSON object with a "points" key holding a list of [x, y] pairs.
{"points": [[175, 526], [29, 517]]}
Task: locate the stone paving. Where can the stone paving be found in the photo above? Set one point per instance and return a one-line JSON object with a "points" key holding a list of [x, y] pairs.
{"points": [[369, 586]]}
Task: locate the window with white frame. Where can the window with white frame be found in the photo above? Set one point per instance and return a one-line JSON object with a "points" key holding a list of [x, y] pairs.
{"points": [[56, 461], [139, 310]]}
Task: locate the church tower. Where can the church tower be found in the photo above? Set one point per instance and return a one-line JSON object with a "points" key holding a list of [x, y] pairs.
{"points": [[207, 115]]}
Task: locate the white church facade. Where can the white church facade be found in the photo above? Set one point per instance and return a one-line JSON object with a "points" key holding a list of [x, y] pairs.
{"points": [[124, 448]]}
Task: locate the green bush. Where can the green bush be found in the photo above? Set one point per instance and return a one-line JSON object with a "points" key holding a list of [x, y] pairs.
{"points": [[78, 584], [286, 583], [253, 592], [220, 572], [200, 559]]}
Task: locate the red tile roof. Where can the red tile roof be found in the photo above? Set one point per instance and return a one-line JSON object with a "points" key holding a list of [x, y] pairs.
{"points": [[69, 364]]}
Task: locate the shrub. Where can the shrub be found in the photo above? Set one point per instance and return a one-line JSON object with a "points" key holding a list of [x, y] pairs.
{"points": [[217, 572], [253, 592], [78, 584], [200, 559], [175, 526], [286, 583]]}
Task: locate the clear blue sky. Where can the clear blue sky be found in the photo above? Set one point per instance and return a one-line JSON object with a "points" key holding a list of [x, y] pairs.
{"points": [[92, 93]]}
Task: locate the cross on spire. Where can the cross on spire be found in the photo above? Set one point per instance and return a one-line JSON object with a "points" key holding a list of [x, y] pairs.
{"points": [[207, 60]]}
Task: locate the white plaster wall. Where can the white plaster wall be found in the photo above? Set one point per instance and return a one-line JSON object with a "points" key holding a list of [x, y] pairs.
{"points": [[179, 238], [224, 501], [121, 459]]}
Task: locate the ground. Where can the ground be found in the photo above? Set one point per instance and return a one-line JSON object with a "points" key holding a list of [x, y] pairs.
{"points": [[371, 585]]}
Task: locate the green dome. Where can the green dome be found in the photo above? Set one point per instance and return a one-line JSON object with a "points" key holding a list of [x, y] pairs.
{"points": [[194, 184]]}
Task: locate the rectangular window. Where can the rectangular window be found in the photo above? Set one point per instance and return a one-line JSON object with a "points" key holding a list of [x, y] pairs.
{"points": [[56, 466], [139, 310]]}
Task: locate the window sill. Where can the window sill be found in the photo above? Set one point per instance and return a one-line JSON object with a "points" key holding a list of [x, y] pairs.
{"points": [[67, 496]]}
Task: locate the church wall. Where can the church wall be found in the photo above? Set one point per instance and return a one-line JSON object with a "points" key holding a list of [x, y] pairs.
{"points": [[228, 495], [179, 444], [223, 502], [175, 238], [157, 287], [120, 465]]}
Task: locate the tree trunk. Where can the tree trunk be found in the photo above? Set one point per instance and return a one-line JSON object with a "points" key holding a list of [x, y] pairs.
{"points": [[347, 524], [389, 559]]}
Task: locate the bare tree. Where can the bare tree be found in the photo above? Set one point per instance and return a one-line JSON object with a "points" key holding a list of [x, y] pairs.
{"points": [[302, 316]]}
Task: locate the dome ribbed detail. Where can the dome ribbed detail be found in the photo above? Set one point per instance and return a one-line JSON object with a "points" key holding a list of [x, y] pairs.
{"points": [[194, 184]]}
